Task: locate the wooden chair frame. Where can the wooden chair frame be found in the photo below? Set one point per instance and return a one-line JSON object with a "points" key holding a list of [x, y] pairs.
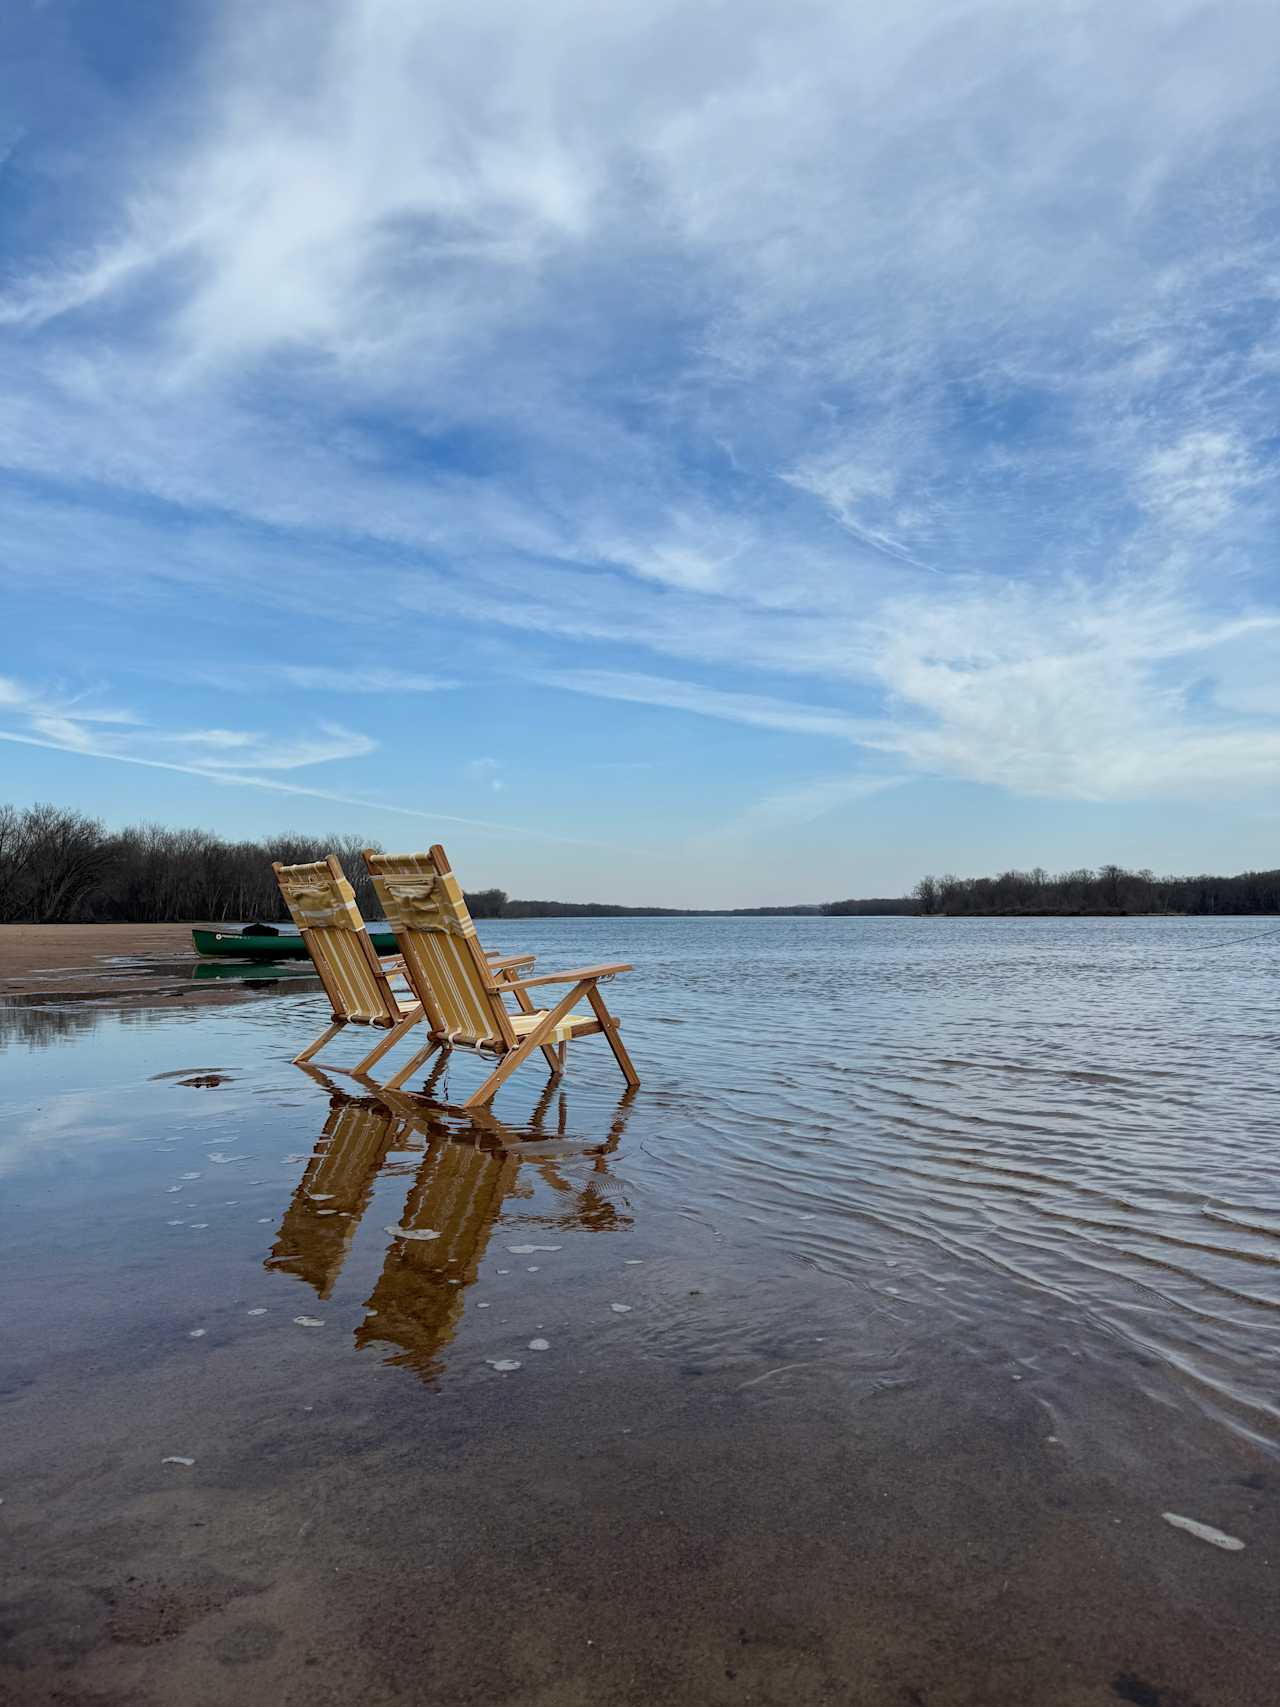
{"points": [[342, 953], [465, 984]]}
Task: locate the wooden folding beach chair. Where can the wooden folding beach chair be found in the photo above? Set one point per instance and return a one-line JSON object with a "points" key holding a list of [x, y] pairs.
{"points": [[459, 991], [358, 984]]}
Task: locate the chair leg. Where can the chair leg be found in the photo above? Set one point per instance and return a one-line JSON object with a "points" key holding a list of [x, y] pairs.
{"points": [[501, 1073], [609, 1026], [414, 1062], [392, 1037], [319, 1043]]}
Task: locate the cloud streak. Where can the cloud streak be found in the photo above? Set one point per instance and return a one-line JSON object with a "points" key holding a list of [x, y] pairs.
{"points": [[230, 758], [905, 383]]}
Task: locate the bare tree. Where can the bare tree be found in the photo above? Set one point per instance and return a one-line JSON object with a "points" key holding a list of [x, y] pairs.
{"points": [[926, 895]]}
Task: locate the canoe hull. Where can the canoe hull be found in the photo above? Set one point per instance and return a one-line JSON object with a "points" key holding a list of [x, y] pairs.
{"points": [[231, 945]]}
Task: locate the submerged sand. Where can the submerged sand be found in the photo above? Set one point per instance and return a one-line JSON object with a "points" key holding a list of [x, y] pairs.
{"points": [[572, 1535], [836, 1449]]}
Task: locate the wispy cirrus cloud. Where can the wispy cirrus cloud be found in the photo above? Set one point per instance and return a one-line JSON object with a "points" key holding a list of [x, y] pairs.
{"points": [[759, 711], [335, 679], [924, 364], [77, 724], [1067, 691], [805, 802], [228, 757]]}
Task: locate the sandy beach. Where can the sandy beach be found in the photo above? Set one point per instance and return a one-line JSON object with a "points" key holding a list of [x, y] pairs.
{"points": [[129, 963]]}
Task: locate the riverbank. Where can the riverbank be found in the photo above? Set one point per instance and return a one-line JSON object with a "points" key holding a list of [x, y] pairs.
{"points": [[126, 964]]}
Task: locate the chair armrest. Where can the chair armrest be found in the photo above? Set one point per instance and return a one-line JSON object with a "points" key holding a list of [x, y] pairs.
{"points": [[579, 975]]}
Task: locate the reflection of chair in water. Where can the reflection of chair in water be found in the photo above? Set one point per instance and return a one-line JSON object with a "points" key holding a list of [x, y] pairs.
{"points": [[470, 1169], [325, 1210], [459, 1194], [417, 1302], [590, 1206]]}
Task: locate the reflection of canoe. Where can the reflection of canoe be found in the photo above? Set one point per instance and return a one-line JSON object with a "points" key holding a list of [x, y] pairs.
{"points": [[230, 944], [251, 971]]}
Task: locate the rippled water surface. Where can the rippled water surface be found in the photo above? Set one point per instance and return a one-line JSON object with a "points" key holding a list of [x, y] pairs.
{"points": [[964, 1128]]}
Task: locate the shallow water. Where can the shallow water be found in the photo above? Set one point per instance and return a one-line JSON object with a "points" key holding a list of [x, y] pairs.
{"points": [[964, 1122], [927, 1259]]}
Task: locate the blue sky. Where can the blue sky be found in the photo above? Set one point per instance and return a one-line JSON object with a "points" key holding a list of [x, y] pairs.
{"points": [[669, 453]]}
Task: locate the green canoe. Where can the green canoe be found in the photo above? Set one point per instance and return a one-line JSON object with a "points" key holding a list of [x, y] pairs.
{"points": [[245, 944]]}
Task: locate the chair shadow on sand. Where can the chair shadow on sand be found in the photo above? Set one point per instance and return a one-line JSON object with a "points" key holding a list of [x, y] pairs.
{"points": [[463, 1169]]}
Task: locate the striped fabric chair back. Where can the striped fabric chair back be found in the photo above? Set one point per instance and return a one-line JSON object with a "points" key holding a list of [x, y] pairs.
{"points": [[323, 906], [443, 960]]}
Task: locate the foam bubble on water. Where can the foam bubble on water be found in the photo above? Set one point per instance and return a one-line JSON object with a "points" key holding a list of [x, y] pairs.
{"points": [[482, 1306], [528, 1250], [230, 1202], [175, 1223], [504, 1271], [633, 1262], [200, 1224], [175, 1459], [264, 1220], [533, 1268], [1205, 1532], [319, 1196], [174, 1188], [309, 1321], [503, 1364], [621, 1309], [539, 1345], [188, 1176], [217, 1156], [422, 1233], [260, 1311], [196, 1333]]}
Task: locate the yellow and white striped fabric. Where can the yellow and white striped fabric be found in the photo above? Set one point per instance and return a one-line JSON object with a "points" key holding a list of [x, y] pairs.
{"points": [[564, 1029], [426, 909], [323, 906]]}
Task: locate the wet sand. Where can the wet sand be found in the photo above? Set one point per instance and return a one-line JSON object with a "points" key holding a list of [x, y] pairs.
{"points": [[32, 955], [819, 1457], [918, 1546], [126, 963]]}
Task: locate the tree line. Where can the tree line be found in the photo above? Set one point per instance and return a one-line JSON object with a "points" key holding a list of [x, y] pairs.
{"points": [[62, 867], [59, 866], [1111, 889]]}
